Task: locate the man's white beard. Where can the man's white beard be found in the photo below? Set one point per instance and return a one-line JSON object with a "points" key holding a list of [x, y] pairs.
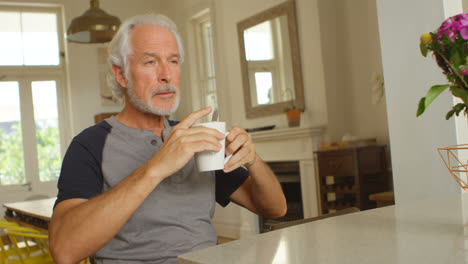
{"points": [[148, 106]]}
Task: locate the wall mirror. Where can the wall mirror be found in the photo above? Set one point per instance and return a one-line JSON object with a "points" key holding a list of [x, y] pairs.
{"points": [[270, 61]]}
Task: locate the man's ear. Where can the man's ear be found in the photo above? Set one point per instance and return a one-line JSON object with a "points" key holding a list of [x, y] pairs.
{"points": [[119, 75]]}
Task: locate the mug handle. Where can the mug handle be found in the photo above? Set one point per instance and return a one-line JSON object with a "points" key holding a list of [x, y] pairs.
{"points": [[227, 158]]}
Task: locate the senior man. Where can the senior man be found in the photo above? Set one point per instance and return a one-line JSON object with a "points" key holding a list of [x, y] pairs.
{"points": [[129, 190]]}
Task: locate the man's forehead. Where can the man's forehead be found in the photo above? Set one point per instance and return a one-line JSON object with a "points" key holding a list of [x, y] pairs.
{"points": [[147, 40], [156, 54]]}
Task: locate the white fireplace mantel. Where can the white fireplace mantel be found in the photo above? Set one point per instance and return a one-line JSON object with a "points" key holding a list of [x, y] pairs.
{"points": [[285, 144], [294, 144]]}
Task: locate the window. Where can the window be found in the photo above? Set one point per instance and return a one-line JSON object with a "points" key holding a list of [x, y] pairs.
{"points": [[205, 57], [33, 122], [11, 142], [266, 62], [258, 42], [32, 38]]}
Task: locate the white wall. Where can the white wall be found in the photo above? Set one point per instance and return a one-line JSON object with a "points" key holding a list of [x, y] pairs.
{"points": [[351, 56], [418, 171]]}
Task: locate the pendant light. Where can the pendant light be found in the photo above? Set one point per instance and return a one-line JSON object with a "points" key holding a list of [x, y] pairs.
{"points": [[93, 26]]}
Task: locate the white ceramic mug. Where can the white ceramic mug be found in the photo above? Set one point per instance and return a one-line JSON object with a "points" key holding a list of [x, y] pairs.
{"points": [[209, 160]]}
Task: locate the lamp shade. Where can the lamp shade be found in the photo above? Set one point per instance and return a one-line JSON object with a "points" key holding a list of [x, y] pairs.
{"points": [[93, 26]]}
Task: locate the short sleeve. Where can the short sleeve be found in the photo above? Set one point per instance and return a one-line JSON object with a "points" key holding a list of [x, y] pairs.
{"points": [[81, 175], [228, 183]]}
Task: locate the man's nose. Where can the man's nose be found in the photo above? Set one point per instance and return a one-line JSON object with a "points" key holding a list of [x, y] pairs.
{"points": [[164, 73]]}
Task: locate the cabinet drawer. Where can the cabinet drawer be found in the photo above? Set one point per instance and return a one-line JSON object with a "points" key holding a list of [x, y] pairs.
{"points": [[336, 165], [348, 176], [372, 161]]}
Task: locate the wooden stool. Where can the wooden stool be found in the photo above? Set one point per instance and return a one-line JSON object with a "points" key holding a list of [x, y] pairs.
{"points": [[383, 198]]}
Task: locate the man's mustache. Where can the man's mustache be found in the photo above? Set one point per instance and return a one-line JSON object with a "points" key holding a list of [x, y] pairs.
{"points": [[166, 88]]}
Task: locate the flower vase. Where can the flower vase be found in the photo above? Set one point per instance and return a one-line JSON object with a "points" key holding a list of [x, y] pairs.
{"points": [[294, 117]]}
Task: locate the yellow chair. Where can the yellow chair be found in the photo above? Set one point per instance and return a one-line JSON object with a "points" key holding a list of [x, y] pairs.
{"points": [[3, 222], [30, 246], [5, 248]]}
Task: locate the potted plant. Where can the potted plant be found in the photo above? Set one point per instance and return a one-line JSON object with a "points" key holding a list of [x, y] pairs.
{"points": [[449, 45], [293, 115]]}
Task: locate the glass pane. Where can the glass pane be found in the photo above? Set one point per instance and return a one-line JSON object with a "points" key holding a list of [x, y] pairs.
{"points": [[264, 83], [211, 86], [32, 38], [47, 129], [11, 142], [208, 43], [211, 100], [258, 42], [40, 39], [11, 52]]}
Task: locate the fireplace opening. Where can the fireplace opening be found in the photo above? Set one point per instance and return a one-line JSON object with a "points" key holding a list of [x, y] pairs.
{"points": [[288, 174]]}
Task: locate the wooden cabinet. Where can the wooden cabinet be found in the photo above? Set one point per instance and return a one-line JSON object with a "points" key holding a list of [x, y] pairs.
{"points": [[348, 176]]}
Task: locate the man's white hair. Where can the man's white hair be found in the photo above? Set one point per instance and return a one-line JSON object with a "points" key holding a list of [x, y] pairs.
{"points": [[119, 48]]}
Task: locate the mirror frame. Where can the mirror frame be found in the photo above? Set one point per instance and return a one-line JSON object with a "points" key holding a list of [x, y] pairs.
{"points": [[287, 8]]}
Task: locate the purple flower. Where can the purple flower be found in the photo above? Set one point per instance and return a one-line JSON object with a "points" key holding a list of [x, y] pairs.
{"points": [[464, 72], [453, 27], [464, 29]]}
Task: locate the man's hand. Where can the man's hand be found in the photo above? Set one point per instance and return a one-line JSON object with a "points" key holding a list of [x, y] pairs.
{"points": [[240, 143], [182, 143], [261, 192]]}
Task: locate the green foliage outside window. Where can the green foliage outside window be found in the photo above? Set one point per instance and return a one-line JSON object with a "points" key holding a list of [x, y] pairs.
{"points": [[49, 153], [11, 157], [11, 154]]}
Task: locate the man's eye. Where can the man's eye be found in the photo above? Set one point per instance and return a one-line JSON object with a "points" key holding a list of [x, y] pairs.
{"points": [[175, 62], [151, 62]]}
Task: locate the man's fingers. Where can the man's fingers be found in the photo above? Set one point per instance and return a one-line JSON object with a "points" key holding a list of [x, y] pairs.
{"points": [[207, 131], [236, 142], [201, 146], [193, 117], [234, 162], [211, 137], [204, 131]]}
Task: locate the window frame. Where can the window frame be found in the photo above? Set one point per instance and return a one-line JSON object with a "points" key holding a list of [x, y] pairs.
{"points": [[203, 78], [25, 75], [272, 66]]}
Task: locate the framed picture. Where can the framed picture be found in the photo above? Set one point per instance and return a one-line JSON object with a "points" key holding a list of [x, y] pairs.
{"points": [[105, 90]]}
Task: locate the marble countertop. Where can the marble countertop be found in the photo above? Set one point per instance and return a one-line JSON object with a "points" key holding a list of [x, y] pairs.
{"points": [[422, 233]]}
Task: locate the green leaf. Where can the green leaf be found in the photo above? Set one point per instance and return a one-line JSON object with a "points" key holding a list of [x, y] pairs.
{"points": [[455, 110], [459, 107], [456, 58], [430, 96], [460, 93], [423, 49], [421, 107], [449, 114], [433, 93]]}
